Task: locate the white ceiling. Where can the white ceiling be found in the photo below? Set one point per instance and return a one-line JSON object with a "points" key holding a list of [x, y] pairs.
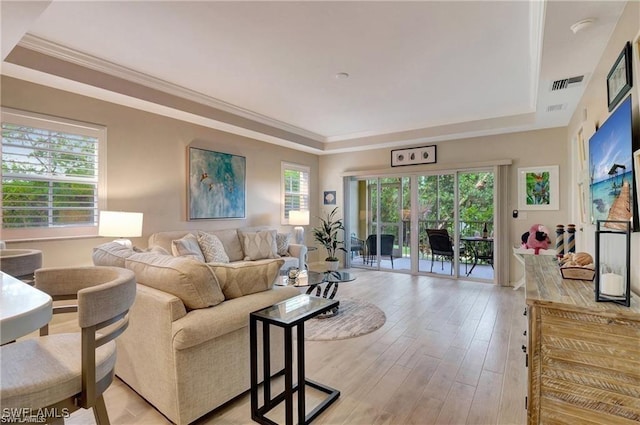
{"points": [[418, 71]]}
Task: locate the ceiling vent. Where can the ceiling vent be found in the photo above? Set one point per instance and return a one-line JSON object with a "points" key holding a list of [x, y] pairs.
{"points": [[557, 108], [567, 83]]}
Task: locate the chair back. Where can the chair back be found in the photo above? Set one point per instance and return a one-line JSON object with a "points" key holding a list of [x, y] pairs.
{"points": [[440, 242], [20, 263], [106, 301], [371, 245], [356, 244], [386, 244]]}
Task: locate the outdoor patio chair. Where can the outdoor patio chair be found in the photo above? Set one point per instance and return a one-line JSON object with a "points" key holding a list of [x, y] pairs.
{"points": [[357, 246], [386, 247], [441, 246]]}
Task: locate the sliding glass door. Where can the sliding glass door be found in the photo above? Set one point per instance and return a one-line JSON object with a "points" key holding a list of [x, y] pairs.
{"points": [[476, 224], [383, 233], [424, 223], [436, 211]]}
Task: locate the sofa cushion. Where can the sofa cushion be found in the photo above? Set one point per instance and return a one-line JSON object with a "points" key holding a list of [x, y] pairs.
{"points": [[111, 254], [212, 248], [243, 278], [188, 279], [187, 246], [259, 245], [282, 243]]}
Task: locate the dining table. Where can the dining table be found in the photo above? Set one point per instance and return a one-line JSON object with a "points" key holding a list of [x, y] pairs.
{"points": [[23, 308]]}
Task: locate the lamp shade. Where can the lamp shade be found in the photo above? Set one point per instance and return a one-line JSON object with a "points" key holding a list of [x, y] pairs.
{"points": [[120, 224], [299, 218]]}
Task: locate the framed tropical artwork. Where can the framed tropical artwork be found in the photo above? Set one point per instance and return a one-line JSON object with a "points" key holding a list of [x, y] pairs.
{"points": [[217, 185], [538, 188]]}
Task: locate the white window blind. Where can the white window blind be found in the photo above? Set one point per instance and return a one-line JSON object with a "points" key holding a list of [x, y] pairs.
{"points": [[295, 189], [50, 176]]}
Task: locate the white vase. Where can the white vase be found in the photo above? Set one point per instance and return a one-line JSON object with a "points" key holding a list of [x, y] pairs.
{"points": [[332, 266]]}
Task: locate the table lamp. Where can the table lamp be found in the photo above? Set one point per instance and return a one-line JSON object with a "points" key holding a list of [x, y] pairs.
{"points": [[299, 219], [121, 225]]}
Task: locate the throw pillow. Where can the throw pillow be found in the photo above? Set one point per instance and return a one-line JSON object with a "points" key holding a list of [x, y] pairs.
{"points": [[111, 254], [187, 247], [259, 245], [244, 278], [212, 248], [158, 250], [191, 281], [282, 243]]}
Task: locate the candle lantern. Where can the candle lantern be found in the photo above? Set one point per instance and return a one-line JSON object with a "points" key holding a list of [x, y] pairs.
{"points": [[613, 252]]}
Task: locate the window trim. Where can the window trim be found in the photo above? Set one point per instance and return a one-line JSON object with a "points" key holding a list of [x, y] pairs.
{"points": [[48, 122], [291, 166]]}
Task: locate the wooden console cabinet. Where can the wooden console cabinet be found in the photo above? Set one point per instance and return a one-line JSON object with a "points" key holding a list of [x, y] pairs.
{"points": [[583, 357]]}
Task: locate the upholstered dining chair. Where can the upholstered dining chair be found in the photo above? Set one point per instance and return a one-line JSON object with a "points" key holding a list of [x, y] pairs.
{"points": [[60, 373], [20, 263]]}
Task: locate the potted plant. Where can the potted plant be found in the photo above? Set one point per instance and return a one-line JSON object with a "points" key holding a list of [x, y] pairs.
{"points": [[327, 235]]}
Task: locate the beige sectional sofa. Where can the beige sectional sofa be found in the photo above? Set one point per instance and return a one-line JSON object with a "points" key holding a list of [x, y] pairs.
{"points": [[186, 350], [294, 255]]}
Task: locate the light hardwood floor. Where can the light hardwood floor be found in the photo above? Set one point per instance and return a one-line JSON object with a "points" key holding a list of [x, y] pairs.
{"points": [[450, 352]]}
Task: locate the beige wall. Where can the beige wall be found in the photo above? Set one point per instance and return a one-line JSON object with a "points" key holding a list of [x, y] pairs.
{"points": [[147, 167], [594, 102], [527, 149]]}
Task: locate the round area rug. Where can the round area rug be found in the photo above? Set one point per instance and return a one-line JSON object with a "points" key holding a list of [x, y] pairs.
{"points": [[354, 318]]}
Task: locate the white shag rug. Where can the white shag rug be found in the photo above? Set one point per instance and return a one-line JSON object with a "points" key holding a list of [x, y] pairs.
{"points": [[354, 318]]}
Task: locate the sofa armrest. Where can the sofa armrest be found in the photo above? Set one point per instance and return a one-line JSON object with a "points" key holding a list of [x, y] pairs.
{"points": [[148, 337], [299, 252], [151, 318], [145, 359]]}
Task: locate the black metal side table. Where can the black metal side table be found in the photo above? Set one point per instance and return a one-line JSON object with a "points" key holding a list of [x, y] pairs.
{"points": [[287, 315]]}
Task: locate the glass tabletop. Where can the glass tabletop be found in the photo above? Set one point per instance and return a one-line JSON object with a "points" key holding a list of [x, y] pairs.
{"points": [[335, 276], [309, 278], [296, 308]]}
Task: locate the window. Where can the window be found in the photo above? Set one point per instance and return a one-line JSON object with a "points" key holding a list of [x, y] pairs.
{"points": [[295, 189], [51, 176]]}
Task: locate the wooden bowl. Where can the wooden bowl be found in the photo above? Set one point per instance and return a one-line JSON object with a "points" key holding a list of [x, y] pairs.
{"points": [[578, 273]]}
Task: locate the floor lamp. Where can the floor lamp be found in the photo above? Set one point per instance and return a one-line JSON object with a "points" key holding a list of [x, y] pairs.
{"points": [[299, 219]]}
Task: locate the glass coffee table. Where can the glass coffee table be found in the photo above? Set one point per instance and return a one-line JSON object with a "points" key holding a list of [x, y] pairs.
{"points": [[314, 281]]}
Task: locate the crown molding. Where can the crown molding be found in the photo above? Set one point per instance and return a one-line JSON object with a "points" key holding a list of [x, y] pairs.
{"points": [[62, 83], [49, 48]]}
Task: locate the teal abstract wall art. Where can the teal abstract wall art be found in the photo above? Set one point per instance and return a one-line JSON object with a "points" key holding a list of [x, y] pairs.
{"points": [[217, 185]]}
